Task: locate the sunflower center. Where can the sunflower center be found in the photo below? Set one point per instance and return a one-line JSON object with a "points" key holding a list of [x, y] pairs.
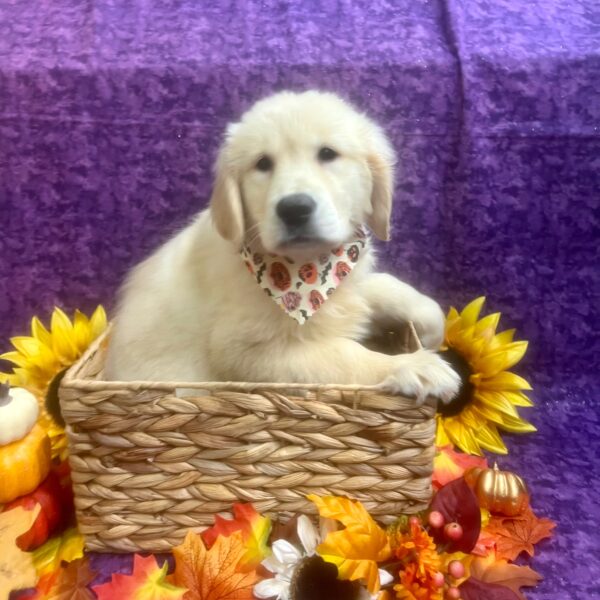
{"points": [[315, 579], [465, 394]]}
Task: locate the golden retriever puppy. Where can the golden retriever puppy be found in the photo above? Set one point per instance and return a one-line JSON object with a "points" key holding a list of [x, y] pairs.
{"points": [[296, 178]]}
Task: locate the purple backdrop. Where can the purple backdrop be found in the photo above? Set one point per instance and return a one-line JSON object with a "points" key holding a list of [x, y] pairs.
{"points": [[111, 113]]}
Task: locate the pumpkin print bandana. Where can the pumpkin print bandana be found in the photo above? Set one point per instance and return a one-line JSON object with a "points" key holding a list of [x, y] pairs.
{"points": [[300, 288]]}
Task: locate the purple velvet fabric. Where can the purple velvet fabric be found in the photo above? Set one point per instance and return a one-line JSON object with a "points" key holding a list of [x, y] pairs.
{"points": [[111, 113]]}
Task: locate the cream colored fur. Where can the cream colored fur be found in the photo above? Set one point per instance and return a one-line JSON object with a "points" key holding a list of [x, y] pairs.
{"points": [[192, 312]]}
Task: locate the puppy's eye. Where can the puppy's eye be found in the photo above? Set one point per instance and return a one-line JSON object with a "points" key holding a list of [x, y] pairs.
{"points": [[264, 164], [327, 154]]}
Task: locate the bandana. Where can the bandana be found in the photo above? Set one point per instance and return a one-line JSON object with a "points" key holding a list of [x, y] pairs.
{"points": [[301, 288]]}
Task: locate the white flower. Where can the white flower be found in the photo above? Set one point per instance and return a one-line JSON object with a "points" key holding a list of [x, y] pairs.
{"points": [[284, 560], [286, 557]]}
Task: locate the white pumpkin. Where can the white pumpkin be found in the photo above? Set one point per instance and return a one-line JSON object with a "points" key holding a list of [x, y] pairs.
{"points": [[19, 411]]}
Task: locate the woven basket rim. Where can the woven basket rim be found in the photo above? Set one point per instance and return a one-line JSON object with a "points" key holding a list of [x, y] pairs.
{"points": [[72, 380]]}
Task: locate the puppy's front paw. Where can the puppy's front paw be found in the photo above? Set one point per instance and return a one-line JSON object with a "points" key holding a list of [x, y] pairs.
{"points": [[422, 374]]}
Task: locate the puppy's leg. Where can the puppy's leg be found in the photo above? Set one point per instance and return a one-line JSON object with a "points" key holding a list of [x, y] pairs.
{"points": [[345, 361], [393, 301]]}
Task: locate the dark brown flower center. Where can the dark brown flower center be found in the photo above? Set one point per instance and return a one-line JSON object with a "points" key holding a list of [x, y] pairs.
{"points": [[315, 579], [465, 394]]}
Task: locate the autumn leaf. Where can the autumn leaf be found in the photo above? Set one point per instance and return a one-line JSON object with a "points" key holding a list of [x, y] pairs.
{"points": [[43, 587], [213, 574], [358, 548], [485, 544], [473, 589], [16, 567], [458, 503], [61, 548], [449, 465], [498, 571], [255, 531], [67, 583], [518, 534], [146, 582]]}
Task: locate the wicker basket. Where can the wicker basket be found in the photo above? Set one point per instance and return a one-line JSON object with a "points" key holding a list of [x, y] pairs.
{"points": [[148, 464]]}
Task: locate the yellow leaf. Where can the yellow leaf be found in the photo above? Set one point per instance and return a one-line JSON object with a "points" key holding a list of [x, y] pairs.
{"points": [[358, 548], [16, 567], [66, 547]]}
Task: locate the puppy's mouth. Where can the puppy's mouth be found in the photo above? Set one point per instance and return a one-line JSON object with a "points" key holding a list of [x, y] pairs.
{"points": [[305, 243]]}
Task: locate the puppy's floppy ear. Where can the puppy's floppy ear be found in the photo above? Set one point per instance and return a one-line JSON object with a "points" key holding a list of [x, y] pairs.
{"points": [[381, 159], [226, 205]]}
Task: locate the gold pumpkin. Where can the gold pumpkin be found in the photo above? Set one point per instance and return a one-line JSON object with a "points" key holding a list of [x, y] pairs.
{"points": [[501, 492], [24, 464]]}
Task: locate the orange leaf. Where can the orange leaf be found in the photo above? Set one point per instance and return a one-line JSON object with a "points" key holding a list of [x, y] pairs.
{"points": [[16, 567], [255, 531], [518, 534], [449, 465], [146, 582], [500, 572], [67, 583], [213, 574]]}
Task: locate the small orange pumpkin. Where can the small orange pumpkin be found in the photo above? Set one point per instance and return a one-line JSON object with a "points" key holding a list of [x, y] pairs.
{"points": [[501, 492], [24, 464]]}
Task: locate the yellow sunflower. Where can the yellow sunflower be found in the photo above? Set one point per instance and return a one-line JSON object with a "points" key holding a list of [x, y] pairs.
{"points": [[43, 355], [490, 394]]}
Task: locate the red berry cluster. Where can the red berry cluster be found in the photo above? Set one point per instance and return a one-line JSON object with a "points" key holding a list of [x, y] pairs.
{"points": [[452, 532]]}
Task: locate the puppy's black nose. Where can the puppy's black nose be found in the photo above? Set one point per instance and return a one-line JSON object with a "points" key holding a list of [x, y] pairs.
{"points": [[295, 210]]}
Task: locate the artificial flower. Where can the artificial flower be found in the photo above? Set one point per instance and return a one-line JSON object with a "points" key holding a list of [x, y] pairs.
{"points": [[421, 563], [58, 438], [287, 558], [490, 394], [40, 357]]}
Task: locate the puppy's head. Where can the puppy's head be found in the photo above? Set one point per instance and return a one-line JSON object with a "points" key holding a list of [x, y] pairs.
{"points": [[300, 172]]}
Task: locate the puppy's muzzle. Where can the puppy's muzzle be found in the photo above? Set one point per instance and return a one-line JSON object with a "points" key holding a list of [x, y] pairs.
{"points": [[296, 210]]}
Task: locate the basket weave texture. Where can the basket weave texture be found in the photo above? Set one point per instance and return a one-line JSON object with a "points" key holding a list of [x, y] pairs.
{"points": [[148, 464]]}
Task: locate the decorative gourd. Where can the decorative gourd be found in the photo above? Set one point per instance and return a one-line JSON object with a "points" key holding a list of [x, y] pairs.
{"points": [[24, 464], [19, 411], [501, 492]]}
